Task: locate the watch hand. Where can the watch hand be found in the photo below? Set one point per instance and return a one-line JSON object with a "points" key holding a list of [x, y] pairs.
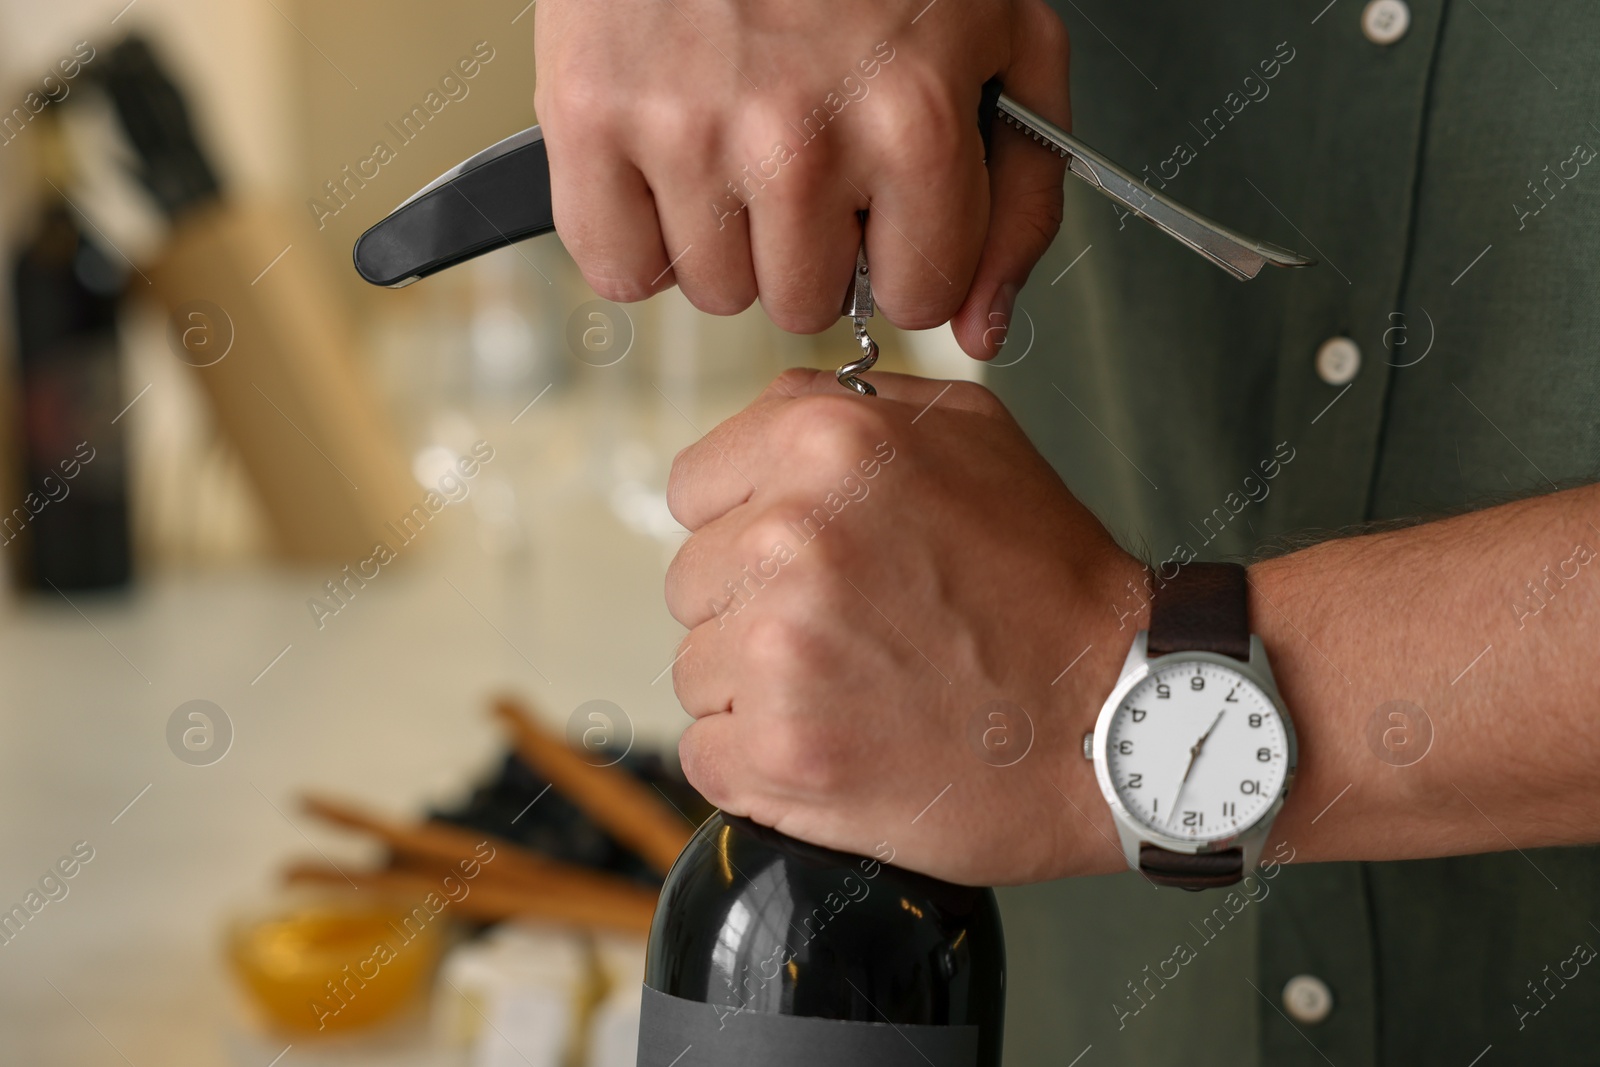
{"points": [[1194, 754], [1195, 751]]}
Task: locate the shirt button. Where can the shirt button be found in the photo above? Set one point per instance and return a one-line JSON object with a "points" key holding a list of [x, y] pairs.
{"points": [[1385, 21], [1338, 360], [1307, 999]]}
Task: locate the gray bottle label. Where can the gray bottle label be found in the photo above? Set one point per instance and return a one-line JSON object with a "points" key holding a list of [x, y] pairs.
{"points": [[674, 1032]]}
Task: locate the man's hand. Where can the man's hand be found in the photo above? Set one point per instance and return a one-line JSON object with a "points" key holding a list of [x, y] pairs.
{"points": [[727, 146], [865, 579]]}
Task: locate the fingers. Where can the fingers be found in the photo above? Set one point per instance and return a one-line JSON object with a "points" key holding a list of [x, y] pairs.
{"points": [[760, 658], [1024, 183], [810, 449], [829, 429], [728, 563], [641, 205], [707, 752], [703, 679], [772, 740], [725, 468], [704, 229], [719, 472], [700, 679], [928, 199], [803, 233], [666, 171], [716, 570], [606, 214]]}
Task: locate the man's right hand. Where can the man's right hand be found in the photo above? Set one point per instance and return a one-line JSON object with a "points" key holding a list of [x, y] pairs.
{"points": [[726, 146]]}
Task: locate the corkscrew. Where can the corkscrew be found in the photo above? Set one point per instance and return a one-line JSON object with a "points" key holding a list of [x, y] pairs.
{"points": [[858, 308], [502, 195]]}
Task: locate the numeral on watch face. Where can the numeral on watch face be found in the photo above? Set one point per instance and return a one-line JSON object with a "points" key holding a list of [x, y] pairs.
{"points": [[1198, 751]]}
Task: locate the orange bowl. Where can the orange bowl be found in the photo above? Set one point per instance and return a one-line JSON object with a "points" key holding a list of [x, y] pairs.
{"points": [[332, 964]]}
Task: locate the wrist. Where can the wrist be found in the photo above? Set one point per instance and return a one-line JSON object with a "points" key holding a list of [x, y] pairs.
{"points": [[1202, 659], [1114, 609], [1297, 626]]}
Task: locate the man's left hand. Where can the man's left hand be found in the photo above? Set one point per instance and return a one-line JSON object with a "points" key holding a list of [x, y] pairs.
{"points": [[883, 595]]}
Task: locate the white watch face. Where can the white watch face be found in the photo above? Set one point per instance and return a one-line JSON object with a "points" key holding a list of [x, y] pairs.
{"points": [[1197, 751]]}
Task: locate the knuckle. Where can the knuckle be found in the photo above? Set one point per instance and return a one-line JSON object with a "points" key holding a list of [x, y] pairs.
{"points": [[804, 524], [1049, 33], [800, 174], [827, 559], [574, 97], [761, 540], [976, 397], [779, 647], [763, 126], [794, 381], [942, 134], [676, 130], [833, 429], [725, 296], [795, 754]]}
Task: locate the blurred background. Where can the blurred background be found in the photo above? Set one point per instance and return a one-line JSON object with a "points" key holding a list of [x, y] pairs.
{"points": [[336, 722]]}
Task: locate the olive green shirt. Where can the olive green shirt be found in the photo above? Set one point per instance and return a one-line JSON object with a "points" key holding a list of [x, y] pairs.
{"points": [[1449, 185]]}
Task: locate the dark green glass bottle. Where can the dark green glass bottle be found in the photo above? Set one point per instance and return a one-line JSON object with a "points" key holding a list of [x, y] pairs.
{"points": [[766, 950]]}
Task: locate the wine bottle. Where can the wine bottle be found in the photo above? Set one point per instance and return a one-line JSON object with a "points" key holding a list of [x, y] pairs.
{"points": [[72, 522], [766, 950]]}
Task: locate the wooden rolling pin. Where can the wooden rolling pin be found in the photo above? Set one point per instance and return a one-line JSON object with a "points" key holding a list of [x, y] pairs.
{"points": [[623, 806], [486, 900], [444, 845]]}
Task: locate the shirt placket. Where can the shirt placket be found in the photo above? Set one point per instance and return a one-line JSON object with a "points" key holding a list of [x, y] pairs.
{"points": [[1353, 210], [1317, 960]]}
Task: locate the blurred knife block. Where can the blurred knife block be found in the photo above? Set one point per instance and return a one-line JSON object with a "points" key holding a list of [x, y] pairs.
{"points": [[290, 393]]}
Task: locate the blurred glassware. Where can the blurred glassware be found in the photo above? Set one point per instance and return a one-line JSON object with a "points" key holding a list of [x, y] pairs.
{"points": [[504, 346], [327, 963], [614, 1025], [515, 996]]}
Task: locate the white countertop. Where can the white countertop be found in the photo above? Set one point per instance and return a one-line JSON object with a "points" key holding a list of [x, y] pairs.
{"points": [[386, 704]]}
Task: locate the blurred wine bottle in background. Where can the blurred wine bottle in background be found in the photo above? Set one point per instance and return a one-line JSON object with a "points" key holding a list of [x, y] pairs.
{"points": [[70, 528]]}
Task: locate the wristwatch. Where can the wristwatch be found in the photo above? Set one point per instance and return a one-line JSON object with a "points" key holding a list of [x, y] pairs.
{"points": [[1194, 749]]}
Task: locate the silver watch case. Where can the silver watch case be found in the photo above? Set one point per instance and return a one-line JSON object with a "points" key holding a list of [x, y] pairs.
{"points": [[1134, 833]]}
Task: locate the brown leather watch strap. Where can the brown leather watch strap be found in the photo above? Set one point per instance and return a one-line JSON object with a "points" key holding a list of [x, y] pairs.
{"points": [[1204, 608], [1205, 870]]}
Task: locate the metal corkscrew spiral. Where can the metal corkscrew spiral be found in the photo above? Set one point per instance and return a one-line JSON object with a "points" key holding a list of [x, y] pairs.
{"points": [[858, 307]]}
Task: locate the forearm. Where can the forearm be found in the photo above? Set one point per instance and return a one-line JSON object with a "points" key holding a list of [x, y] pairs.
{"points": [[1442, 616]]}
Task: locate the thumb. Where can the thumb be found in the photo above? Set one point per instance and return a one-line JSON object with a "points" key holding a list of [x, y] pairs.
{"points": [[1024, 183]]}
